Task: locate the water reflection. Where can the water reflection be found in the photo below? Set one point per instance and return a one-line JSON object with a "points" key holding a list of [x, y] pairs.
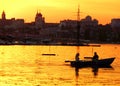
{"points": [[95, 70], [77, 75], [25, 65], [77, 72]]}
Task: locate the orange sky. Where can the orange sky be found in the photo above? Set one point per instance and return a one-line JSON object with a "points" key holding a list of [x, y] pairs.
{"points": [[56, 10]]}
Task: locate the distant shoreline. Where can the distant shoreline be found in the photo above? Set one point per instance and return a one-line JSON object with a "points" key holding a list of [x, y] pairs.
{"points": [[97, 44]]}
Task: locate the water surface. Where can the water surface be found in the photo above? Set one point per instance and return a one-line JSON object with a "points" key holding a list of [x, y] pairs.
{"points": [[26, 66]]}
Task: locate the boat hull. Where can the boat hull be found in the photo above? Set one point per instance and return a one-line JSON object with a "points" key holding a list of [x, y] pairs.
{"points": [[98, 63]]}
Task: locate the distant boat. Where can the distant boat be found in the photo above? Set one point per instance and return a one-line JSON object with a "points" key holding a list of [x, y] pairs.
{"points": [[48, 54], [90, 63]]}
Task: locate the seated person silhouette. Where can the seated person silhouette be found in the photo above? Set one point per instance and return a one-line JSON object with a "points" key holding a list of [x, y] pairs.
{"points": [[77, 57], [95, 57]]}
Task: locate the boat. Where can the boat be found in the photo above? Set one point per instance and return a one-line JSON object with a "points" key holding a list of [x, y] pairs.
{"points": [[48, 54], [89, 63]]}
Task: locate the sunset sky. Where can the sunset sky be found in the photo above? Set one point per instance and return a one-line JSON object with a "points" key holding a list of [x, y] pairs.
{"points": [[56, 10]]}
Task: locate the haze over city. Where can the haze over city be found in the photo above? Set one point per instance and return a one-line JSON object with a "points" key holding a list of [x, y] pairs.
{"points": [[56, 10]]}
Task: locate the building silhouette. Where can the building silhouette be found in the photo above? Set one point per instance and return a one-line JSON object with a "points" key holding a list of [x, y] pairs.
{"points": [[89, 27], [39, 20], [3, 16], [10, 23], [63, 32], [115, 25]]}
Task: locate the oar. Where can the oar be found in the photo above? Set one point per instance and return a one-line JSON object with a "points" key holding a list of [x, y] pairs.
{"points": [[88, 57], [67, 61]]}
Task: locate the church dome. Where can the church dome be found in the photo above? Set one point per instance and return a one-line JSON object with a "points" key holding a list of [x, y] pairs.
{"points": [[89, 18]]}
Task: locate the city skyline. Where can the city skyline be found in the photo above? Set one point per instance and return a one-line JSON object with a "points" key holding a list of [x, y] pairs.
{"points": [[104, 11]]}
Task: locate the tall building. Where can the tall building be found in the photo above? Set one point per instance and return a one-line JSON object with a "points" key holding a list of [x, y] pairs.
{"points": [[39, 21], [3, 16], [3, 21], [10, 23]]}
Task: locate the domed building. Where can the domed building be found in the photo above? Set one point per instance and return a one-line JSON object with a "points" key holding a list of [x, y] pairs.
{"points": [[39, 21], [88, 18], [89, 27]]}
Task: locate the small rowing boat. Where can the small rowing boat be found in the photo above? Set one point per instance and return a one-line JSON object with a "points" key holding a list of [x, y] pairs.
{"points": [[90, 63]]}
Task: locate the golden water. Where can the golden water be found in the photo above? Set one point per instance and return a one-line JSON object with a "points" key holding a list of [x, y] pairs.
{"points": [[26, 66]]}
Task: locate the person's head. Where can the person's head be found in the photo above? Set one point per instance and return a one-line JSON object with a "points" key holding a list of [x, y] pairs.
{"points": [[95, 53], [77, 54]]}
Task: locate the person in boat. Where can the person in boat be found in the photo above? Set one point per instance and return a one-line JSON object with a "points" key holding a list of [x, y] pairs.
{"points": [[77, 57], [95, 57]]}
